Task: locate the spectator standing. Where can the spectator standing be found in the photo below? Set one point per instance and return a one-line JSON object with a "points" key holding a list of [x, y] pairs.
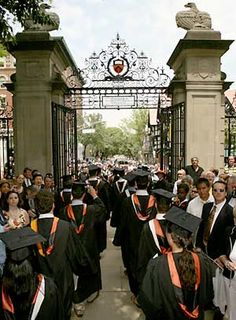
{"points": [[229, 261], [27, 173], [15, 215], [230, 167], [231, 190], [180, 175], [217, 217], [195, 206], [194, 170]]}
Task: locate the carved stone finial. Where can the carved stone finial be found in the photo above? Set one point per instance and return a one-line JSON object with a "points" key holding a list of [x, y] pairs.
{"points": [[29, 24], [193, 19]]}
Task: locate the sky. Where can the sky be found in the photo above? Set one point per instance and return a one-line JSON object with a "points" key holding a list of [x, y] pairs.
{"points": [[146, 25]]}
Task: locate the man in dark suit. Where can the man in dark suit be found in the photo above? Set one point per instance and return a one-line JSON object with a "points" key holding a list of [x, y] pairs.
{"points": [[216, 217]]}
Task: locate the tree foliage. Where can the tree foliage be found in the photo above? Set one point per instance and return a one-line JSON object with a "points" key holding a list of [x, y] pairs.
{"points": [[134, 129], [12, 11], [92, 140], [107, 142]]}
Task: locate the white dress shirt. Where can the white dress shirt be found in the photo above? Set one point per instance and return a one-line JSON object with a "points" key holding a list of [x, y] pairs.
{"points": [[195, 206]]}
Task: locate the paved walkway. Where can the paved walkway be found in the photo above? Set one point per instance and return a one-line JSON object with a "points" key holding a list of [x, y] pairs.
{"points": [[114, 300]]}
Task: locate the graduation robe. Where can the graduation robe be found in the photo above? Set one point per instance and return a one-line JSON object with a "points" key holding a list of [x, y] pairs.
{"points": [[128, 236], [102, 188], [150, 245], [67, 257], [157, 298], [50, 309], [90, 281]]}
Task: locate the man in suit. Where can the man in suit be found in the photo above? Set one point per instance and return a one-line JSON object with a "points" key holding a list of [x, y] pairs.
{"points": [[27, 177], [216, 217]]}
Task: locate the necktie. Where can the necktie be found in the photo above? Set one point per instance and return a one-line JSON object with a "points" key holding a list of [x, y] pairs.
{"points": [[208, 226]]}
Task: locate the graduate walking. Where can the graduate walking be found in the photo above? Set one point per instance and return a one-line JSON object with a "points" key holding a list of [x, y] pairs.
{"points": [[177, 285]]}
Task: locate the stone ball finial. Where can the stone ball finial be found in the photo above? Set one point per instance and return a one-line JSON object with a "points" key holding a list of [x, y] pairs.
{"points": [[30, 25], [193, 18]]}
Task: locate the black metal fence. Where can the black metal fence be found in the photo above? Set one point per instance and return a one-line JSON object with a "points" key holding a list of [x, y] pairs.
{"points": [[177, 138], [6, 147], [64, 139], [230, 129]]}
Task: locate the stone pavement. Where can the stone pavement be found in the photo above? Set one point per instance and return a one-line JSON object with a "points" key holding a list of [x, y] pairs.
{"points": [[114, 301]]}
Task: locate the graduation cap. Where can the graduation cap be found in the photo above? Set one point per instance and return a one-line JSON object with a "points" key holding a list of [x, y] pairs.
{"points": [[118, 170], [130, 176], [19, 242], [67, 180], [78, 187], [161, 193], [93, 167], [145, 167], [182, 222], [141, 173]]}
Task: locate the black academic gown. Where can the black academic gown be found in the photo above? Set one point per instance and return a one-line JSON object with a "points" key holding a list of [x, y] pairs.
{"points": [[150, 245], [117, 195], [67, 257], [90, 281], [102, 189], [51, 308], [128, 236], [157, 298]]}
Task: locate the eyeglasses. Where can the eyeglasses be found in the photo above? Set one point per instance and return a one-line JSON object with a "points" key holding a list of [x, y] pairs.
{"points": [[219, 190]]}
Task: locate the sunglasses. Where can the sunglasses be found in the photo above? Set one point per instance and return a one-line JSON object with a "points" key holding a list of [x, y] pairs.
{"points": [[219, 190]]}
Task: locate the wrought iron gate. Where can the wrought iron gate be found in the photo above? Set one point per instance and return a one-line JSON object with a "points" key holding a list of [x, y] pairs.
{"points": [[230, 129], [64, 140], [6, 143], [177, 138]]}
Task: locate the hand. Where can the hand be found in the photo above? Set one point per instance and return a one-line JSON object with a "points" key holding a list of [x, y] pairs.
{"points": [[32, 213], [197, 250], [219, 262], [230, 265], [6, 227], [91, 191]]}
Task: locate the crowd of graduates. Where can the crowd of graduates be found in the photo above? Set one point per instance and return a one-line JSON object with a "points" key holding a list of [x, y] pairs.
{"points": [[176, 239]]}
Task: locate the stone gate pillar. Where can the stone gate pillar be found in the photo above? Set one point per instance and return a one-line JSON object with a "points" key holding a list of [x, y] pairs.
{"points": [[41, 61], [200, 85]]}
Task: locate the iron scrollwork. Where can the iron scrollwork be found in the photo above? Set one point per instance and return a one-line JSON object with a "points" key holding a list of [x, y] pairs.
{"points": [[120, 64], [117, 78]]}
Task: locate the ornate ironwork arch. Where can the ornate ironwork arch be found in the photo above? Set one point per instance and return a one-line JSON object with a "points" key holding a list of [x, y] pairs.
{"points": [[119, 78]]}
